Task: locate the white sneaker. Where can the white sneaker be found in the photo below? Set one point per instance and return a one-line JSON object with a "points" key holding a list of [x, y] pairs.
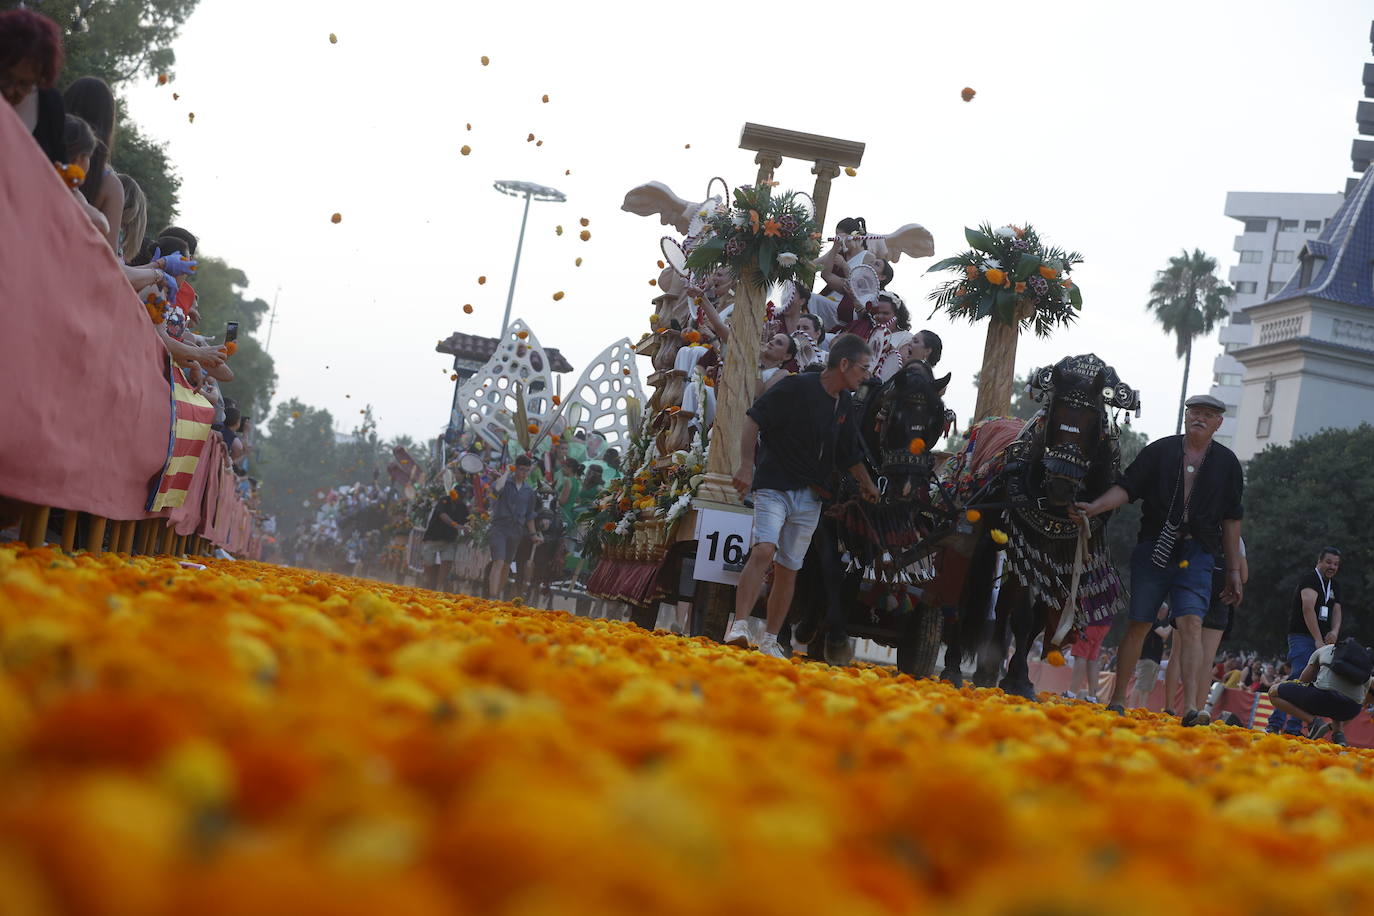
{"points": [[769, 646], [738, 634]]}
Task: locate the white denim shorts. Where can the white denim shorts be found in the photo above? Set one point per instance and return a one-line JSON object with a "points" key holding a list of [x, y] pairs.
{"points": [[786, 519]]}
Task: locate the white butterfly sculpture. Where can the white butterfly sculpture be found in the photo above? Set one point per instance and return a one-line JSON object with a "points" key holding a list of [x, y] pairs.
{"points": [[597, 402], [489, 401]]}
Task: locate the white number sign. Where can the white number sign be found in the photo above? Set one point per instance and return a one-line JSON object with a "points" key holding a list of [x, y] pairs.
{"points": [[722, 544]]}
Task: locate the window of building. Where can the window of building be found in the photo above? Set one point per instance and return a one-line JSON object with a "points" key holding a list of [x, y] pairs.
{"points": [[1312, 225], [1262, 428], [1283, 257], [1245, 287], [1233, 345], [1251, 257], [1275, 286], [1288, 225], [1257, 225], [1226, 379]]}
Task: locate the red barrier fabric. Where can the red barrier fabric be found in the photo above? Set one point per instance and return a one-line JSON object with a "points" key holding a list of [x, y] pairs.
{"points": [[85, 409], [85, 401]]}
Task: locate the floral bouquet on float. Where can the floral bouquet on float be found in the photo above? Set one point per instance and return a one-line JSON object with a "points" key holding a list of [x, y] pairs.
{"points": [[773, 234], [1011, 276]]}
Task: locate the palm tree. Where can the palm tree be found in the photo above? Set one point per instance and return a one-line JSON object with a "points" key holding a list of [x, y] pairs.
{"points": [[1189, 300]]}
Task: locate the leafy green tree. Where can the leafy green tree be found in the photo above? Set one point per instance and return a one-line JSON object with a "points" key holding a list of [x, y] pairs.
{"points": [[362, 457], [115, 40], [1189, 300], [295, 459], [220, 288], [1314, 492]]}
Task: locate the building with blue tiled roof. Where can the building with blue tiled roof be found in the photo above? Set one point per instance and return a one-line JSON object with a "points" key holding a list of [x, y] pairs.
{"points": [[1309, 364]]}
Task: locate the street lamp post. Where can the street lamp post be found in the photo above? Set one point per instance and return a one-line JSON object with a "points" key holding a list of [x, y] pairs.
{"points": [[529, 191]]}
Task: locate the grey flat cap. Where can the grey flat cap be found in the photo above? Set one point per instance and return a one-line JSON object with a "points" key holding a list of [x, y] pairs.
{"points": [[1206, 400]]}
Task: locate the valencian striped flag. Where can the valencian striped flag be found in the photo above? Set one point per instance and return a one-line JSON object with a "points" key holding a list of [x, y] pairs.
{"points": [[191, 419]]}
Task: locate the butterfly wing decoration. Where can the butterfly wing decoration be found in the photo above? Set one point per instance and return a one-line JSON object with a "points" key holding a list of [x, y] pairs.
{"points": [[490, 401], [600, 400]]}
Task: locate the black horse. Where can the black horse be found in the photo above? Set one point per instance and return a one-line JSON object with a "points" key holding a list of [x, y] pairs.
{"points": [[1050, 573], [900, 422]]}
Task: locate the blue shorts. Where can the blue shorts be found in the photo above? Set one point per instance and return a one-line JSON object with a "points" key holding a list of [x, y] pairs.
{"points": [[786, 519], [1188, 589], [503, 540]]}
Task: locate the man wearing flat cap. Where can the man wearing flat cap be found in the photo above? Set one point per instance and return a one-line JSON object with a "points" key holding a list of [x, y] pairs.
{"points": [[1190, 489]]}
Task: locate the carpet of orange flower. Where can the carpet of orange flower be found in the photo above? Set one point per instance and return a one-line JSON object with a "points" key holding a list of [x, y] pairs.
{"points": [[257, 739]]}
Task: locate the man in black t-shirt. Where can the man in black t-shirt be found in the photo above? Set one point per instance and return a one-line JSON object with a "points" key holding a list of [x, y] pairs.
{"points": [[803, 428], [1314, 620], [1190, 488], [441, 538]]}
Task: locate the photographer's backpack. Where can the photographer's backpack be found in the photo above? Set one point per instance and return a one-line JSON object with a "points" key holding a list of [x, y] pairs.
{"points": [[1352, 661]]}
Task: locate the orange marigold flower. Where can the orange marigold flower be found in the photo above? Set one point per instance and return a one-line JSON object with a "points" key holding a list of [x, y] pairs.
{"points": [[1049, 273], [1020, 286], [609, 526], [970, 271], [584, 221], [557, 400], [692, 337], [485, 60], [467, 310], [967, 94], [974, 516], [851, 171], [522, 334], [465, 150], [772, 228], [558, 295], [162, 79], [584, 235], [1055, 658], [337, 217], [917, 446], [533, 428], [995, 277], [481, 280]]}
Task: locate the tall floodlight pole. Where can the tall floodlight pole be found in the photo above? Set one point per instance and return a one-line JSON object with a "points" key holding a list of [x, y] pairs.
{"points": [[529, 191]]}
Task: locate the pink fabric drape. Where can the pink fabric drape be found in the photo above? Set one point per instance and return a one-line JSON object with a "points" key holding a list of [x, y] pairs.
{"points": [[85, 405]]}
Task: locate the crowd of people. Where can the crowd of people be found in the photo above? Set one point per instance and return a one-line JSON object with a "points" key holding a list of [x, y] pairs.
{"points": [[77, 129]]}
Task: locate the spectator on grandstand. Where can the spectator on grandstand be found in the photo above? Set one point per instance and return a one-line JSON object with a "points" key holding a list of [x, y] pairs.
{"points": [[80, 146], [134, 223], [229, 431], [1331, 690], [30, 60], [91, 99]]}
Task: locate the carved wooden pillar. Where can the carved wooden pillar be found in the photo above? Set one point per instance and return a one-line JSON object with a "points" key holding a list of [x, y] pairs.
{"points": [[999, 368], [735, 393], [825, 170], [767, 161]]}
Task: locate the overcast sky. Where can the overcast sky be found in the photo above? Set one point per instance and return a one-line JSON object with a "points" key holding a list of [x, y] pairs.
{"points": [[1116, 129]]}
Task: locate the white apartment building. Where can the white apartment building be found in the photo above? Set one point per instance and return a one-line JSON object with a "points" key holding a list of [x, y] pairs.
{"points": [[1275, 226]]}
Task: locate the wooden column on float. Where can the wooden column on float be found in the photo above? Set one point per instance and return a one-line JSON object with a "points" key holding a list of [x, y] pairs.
{"points": [[735, 393]]}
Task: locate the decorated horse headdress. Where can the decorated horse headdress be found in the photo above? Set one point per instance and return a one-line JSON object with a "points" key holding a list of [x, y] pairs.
{"points": [[1085, 381]]}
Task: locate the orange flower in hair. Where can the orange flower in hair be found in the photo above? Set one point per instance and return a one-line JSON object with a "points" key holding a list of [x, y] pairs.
{"points": [[73, 175]]}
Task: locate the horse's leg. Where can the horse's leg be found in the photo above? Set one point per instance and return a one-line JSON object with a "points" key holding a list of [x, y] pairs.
{"points": [[1020, 612], [954, 649]]}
